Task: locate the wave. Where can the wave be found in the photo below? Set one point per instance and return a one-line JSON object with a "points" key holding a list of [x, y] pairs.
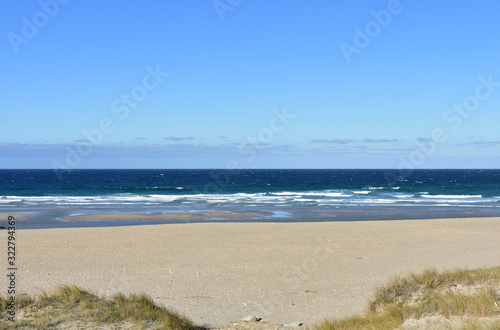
{"points": [[404, 195], [320, 197], [451, 196]]}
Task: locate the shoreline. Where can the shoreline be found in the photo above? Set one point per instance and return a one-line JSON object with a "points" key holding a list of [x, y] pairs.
{"points": [[17, 215], [78, 217], [217, 273]]}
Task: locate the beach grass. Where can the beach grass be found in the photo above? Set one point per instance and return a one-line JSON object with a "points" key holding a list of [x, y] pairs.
{"points": [[459, 299], [70, 305]]}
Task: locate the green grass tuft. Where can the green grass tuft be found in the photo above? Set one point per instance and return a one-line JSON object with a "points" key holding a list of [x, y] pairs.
{"points": [[70, 305]]}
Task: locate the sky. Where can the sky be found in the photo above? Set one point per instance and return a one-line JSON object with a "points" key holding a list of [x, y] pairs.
{"points": [[249, 84]]}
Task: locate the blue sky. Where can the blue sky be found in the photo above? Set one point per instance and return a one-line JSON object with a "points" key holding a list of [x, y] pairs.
{"points": [[249, 84]]}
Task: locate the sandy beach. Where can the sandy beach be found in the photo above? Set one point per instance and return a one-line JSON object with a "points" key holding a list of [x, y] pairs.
{"points": [[217, 273]]}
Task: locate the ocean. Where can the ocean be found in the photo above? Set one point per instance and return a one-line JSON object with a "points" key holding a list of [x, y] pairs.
{"points": [[284, 195]]}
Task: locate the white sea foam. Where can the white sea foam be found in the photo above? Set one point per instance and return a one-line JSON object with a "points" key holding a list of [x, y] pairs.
{"points": [[451, 196], [375, 201], [336, 195], [404, 195], [369, 196], [304, 200]]}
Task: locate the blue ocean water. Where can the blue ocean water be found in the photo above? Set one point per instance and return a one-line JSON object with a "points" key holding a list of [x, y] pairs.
{"points": [[293, 194]]}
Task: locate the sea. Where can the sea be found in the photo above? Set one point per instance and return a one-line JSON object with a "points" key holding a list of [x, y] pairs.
{"points": [[268, 195]]}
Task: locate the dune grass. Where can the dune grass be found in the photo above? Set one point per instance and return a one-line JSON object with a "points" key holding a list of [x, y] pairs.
{"points": [[469, 298], [70, 305], [471, 295]]}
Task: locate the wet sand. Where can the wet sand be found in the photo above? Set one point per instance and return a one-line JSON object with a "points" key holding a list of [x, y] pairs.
{"points": [[173, 216], [5, 216]]}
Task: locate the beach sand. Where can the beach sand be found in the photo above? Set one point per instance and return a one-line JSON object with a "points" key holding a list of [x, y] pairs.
{"points": [[216, 273]]}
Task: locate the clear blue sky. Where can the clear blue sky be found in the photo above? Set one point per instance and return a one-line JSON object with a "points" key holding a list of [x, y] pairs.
{"points": [[252, 84]]}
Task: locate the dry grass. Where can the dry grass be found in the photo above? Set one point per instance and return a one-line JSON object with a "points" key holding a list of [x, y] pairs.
{"points": [[461, 299], [470, 296], [70, 306], [479, 325]]}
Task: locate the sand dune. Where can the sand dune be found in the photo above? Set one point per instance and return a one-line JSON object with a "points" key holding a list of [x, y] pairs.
{"points": [[216, 273]]}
